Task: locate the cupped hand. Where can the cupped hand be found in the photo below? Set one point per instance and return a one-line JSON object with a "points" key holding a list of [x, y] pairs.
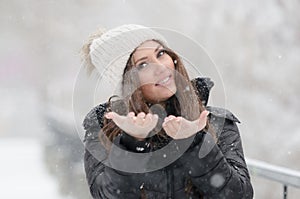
{"points": [[137, 126], [180, 128]]}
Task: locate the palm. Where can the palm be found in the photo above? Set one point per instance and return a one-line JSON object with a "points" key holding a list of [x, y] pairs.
{"points": [[180, 128], [137, 126]]}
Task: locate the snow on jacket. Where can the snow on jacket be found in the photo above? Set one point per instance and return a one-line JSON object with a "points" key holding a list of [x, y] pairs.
{"points": [[222, 173]]}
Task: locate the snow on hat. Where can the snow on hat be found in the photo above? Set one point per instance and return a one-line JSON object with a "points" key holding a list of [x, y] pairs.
{"points": [[110, 52]]}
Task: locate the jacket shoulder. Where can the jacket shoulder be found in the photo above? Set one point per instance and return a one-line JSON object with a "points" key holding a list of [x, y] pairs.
{"points": [[222, 113], [95, 117], [203, 86]]}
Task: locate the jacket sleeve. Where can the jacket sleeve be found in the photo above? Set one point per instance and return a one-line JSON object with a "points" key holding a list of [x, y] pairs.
{"points": [[219, 170], [104, 181]]}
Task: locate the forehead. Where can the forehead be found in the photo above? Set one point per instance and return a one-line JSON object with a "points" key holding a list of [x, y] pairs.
{"points": [[147, 45]]}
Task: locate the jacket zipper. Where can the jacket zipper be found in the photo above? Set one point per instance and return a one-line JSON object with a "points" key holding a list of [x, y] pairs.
{"points": [[170, 179]]}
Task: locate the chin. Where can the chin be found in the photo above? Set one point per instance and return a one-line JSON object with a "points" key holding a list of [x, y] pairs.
{"points": [[167, 95], [159, 95]]}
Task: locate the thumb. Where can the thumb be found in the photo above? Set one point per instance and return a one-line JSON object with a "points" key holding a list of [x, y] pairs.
{"points": [[203, 115], [118, 119], [202, 120]]}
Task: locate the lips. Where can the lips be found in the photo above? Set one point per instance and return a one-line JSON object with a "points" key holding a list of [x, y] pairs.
{"points": [[164, 81]]}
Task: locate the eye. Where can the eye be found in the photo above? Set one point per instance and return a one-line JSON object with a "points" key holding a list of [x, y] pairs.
{"points": [[142, 65], [161, 52]]}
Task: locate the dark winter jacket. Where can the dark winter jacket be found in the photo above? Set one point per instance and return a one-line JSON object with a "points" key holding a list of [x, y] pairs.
{"points": [[215, 170]]}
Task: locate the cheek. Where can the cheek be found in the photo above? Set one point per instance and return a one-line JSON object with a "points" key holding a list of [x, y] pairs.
{"points": [[146, 78], [168, 61]]}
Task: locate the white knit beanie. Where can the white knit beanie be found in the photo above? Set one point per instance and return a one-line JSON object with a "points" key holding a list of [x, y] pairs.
{"points": [[110, 52]]}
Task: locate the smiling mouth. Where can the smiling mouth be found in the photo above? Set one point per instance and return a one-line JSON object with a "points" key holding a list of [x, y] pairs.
{"points": [[164, 81]]}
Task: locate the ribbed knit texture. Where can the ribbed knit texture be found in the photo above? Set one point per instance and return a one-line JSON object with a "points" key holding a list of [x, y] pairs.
{"points": [[110, 52]]}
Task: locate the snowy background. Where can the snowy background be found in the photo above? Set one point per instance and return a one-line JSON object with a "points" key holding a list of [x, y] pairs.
{"points": [[254, 44]]}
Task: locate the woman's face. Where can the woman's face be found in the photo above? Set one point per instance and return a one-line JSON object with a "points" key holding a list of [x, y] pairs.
{"points": [[155, 70]]}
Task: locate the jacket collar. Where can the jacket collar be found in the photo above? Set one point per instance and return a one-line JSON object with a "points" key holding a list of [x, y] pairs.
{"points": [[202, 87]]}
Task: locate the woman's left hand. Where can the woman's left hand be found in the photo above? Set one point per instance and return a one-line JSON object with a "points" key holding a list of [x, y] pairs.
{"points": [[180, 128]]}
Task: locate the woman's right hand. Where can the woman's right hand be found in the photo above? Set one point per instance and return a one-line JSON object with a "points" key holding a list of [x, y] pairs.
{"points": [[137, 126]]}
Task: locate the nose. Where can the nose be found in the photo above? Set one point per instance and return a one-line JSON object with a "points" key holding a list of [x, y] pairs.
{"points": [[158, 66]]}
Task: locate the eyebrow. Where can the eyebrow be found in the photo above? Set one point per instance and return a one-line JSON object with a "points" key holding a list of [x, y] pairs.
{"points": [[142, 58]]}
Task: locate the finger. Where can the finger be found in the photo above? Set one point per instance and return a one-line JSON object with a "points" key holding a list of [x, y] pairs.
{"points": [[175, 126], [202, 120], [203, 115], [130, 114], [109, 115], [176, 123], [170, 129], [130, 117], [141, 115], [169, 118], [179, 119], [140, 119], [151, 120], [155, 119], [149, 117]]}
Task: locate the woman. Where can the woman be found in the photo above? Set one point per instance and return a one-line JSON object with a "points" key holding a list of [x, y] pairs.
{"points": [[159, 139]]}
